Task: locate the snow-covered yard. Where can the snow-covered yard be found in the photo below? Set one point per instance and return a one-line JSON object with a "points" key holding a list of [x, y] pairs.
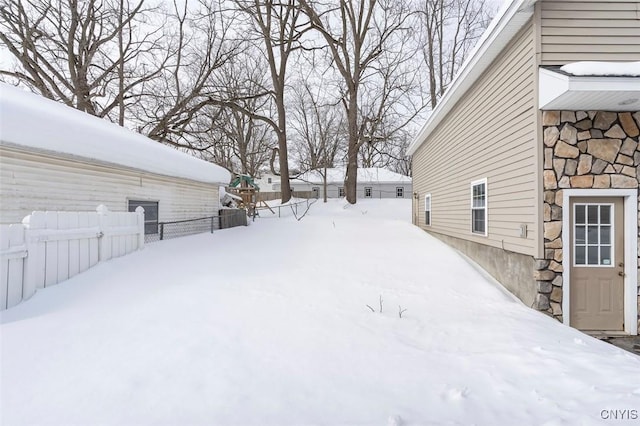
{"points": [[268, 325]]}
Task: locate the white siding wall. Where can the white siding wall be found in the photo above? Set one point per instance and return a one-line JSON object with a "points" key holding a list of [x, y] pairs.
{"points": [[31, 182], [489, 134], [589, 30]]}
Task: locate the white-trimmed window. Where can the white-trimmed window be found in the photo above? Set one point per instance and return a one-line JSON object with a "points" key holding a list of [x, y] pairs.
{"points": [[427, 209], [341, 191], [399, 192], [367, 192], [479, 207]]}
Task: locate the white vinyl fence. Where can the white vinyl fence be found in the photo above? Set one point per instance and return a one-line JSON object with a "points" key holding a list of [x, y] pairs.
{"points": [[50, 247]]}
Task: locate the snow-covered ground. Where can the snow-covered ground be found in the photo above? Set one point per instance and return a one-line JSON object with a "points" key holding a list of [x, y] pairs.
{"points": [[268, 325]]}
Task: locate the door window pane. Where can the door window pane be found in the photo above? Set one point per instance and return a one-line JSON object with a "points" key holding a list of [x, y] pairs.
{"points": [[592, 255], [580, 235], [592, 235], [580, 218], [592, 214], [605, 215], [605, 235], [605, 255], [580, 255]]}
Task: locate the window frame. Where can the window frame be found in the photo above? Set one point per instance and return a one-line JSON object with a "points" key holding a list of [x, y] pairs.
{"points": [[599, 225], [400, 190], [370, 189], [430, 209], [473, 184], [137, 202]]}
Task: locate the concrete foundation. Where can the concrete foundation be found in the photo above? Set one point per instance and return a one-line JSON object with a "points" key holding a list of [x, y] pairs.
{"points": [[513, 270]]}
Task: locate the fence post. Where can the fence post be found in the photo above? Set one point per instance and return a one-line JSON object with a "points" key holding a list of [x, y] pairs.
{"points": [[161, 231], [140, 223], [104, 240], [278, 211], [11, 265], [33, 257], [212, 217]]}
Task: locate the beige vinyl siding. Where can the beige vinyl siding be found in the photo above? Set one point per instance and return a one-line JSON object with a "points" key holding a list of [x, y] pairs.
{"points": [[34, 181], [489, 133], [589, 30]]}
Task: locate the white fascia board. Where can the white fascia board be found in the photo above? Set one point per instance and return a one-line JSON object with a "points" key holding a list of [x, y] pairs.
{"points": [[554, 85], [509, 20], [604, 84]]}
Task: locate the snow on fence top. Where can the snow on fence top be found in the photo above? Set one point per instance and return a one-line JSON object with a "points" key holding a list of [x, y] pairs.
{"points": [[365, 174], [29, 120], [614, 69]]}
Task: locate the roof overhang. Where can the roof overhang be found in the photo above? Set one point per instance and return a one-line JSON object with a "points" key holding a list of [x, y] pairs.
{"points": [[559, 91], [509, 20]]}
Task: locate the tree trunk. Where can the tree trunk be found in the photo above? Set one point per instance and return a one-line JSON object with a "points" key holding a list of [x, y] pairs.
{"points": [[284, 167], [325, 183], [351, 178], [285, 187], [121, 54]]}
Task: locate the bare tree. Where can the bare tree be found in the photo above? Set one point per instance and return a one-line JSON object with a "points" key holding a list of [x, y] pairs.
{"points": [[83, 53], [318, 126], [199, 43], [279, 26], [357, 32], [450, 29], [244, 143], [319, 130]]}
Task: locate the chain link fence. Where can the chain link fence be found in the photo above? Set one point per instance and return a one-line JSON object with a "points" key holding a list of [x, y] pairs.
{"points": [[228, 218], [298, 210]]}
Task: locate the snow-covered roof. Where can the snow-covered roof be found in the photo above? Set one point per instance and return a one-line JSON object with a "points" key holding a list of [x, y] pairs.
{"points": [[31, 121], [365, 174], [593, 68]]}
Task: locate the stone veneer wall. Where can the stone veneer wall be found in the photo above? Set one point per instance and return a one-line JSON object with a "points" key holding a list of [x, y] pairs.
{"points": [[582, 149]]}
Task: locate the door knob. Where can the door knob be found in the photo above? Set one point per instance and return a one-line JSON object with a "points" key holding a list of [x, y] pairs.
{"points": [[621, 264], [621, 273]]}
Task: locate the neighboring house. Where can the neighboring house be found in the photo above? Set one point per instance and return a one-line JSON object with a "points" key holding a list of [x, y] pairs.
{"points": [[268, 182], [532, 170], [373, 182], [56, 158]]}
